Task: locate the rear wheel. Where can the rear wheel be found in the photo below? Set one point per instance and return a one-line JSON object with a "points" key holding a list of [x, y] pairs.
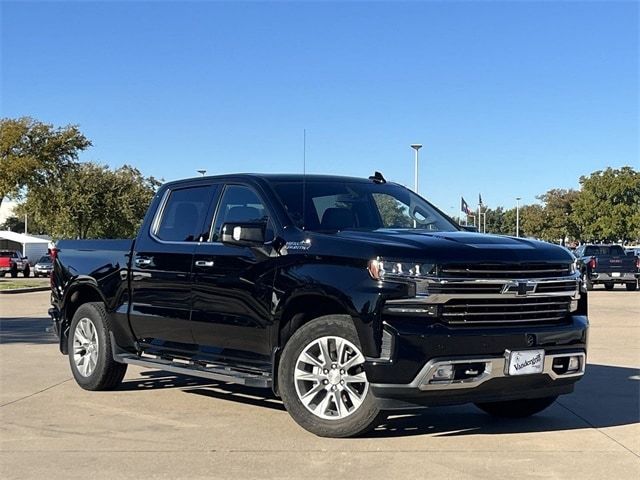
{"points": [[609, 285], [631, 286], [516, 408], [322, 380], [90, 353]]}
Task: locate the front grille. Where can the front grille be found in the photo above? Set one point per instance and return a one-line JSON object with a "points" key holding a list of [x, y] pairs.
{"points": [[463, 288], [506, 270], [505, 311], [553, 287]]}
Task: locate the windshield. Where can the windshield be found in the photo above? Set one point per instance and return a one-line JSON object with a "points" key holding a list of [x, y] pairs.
{"points": [[335, 206], [45, 259]]}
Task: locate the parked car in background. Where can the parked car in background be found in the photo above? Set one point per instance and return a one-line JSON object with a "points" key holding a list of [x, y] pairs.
{"points": [[607, 265], [634, 251], [44, 267], [12, 262]]}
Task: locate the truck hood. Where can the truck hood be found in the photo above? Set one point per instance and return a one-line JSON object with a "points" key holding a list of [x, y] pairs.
{"points": [[451, 246]]}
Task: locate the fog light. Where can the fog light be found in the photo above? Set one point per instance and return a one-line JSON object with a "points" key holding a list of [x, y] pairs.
{"points": [[443, 372], [574, 364]]}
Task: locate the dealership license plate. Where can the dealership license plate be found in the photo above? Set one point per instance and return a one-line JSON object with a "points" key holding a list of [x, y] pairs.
{"points": [[615, 274], [526, 362]]}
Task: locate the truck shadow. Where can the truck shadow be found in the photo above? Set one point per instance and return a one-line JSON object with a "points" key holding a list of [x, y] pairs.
{"points": [[607, 396], [26, 330]]}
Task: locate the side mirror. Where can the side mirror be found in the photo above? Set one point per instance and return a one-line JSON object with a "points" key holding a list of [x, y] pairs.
{"points": [[244, 234]]}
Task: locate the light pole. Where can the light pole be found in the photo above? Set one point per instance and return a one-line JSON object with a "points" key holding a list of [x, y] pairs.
{"points": [[201, 172], [416, 147], [518, 216]]}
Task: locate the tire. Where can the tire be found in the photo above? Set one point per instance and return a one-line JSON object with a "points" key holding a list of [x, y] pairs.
{"points": [[98, 370], [588, 283], [27, 271], [516, 408], [631, 287], [609, 285], [14, 271], [358, 411]]}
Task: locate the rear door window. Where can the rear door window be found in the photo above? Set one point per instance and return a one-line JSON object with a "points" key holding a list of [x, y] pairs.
{"points": [[184, 215]]}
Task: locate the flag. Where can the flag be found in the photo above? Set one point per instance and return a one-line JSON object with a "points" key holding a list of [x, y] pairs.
{"points": [[464, 207], [480, 200]]}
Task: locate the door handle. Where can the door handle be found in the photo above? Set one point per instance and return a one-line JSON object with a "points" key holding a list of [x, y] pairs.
{"points": [[143, 262], [204, 263]]}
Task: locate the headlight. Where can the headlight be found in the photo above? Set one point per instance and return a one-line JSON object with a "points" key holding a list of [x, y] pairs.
{"points": [[380, 269]]}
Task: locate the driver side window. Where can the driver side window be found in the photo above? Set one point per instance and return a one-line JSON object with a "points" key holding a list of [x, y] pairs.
{"points": [[240, 204]]}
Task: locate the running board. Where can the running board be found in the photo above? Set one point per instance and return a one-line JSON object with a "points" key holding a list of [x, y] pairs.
{"points": [[184, 367]]}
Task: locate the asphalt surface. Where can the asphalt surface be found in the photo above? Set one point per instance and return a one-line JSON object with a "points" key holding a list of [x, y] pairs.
{"points": [[160, 425]]}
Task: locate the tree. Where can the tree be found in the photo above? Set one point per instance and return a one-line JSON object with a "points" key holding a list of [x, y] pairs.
{"points": [[92, 201], [558, 215], [608, 206], [14, 224], [33, 153], [532, 221], [394, 214]]}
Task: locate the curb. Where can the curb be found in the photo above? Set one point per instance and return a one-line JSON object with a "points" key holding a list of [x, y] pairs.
{"points": [[24, 290]]}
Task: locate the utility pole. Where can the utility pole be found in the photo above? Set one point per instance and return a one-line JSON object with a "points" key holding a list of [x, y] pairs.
{"points": [[518, 216]]}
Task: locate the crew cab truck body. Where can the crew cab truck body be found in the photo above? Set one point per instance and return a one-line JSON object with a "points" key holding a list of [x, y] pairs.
{"points": [[607, 265], [348, 297]]}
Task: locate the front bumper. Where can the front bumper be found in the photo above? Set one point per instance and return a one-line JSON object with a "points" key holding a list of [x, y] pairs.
{"points": [[416, 348]]}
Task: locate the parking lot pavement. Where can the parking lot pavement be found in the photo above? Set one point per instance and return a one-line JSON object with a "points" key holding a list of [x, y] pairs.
{"points": [[161, 425]]}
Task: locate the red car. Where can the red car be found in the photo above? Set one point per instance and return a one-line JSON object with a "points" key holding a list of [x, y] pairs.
{"points": [[12, 261]]}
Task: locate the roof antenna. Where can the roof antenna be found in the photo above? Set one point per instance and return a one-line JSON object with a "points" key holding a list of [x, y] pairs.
{"points": [[377, 178], [304, 175]]}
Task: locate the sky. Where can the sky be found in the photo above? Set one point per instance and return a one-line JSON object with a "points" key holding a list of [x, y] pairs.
{"points": [[508, 98]]}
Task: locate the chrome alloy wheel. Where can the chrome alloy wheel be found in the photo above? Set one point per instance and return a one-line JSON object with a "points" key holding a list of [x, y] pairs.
{"points": [[85, 347], [330, 379]]}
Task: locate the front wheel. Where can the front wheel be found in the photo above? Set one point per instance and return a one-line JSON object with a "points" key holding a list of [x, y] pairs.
{"points": [[90, 353], [516, 408], [631, 287], [322, 381], [609, 285]]}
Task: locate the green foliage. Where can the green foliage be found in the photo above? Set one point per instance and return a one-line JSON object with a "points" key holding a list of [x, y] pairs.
{"points": [[608, 207], [92, 201], [33, 154], [15, 224], [393, 213]]}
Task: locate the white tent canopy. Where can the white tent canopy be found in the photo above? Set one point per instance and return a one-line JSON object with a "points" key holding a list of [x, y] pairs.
{"points": [[29, 246]]}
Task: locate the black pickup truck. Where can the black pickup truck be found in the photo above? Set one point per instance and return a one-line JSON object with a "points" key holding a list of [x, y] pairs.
{"points": [[348, 297], [607, 265]]}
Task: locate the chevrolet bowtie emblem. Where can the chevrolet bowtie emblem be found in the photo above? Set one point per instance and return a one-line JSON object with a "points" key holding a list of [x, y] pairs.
{"points": [[520, 288]]}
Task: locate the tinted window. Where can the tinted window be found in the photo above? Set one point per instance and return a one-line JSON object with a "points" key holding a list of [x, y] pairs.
{"points": [[184, 215], [335, 206], [595, 250], [45, 259], [240, 204]]}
